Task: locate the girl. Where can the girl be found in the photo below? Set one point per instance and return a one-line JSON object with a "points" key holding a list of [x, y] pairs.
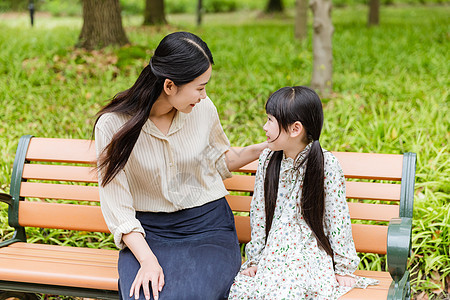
{"points": [[301, 245], [162, 155]]}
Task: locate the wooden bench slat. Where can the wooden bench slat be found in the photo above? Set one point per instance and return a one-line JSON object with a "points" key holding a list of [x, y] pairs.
{"points": [[69, 250], [243, 229], [371, 165], [240, 183], [239, 203], [358, 165], [60, 173], [64, 271], [373, 212], [371, 293], [355, 190], [61, 216], [373, 191], [363, 235], [61, 150], [370, 238], [59, 191]]}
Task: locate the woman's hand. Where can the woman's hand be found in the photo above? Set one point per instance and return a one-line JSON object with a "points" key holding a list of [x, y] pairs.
{"points": [[251, 271], [150, 272], [345, 280]]}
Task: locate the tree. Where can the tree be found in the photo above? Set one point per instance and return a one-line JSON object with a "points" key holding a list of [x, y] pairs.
{"points": [[154, 12], [102, 25], [301, 19], [274, 6], [374, 12], [323, 56]]}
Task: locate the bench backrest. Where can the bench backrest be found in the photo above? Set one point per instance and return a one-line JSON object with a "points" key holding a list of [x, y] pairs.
{"points": [[46, 170]]}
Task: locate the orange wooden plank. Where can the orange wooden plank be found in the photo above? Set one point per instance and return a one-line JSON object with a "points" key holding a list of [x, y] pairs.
{"points": [[359, 165], [43, 247], [61, 150], [65, 272], [371, 165], [61, 216], [363, 235], [373, 190], [59, 191], [239, 203], [373, 212], [240, 183], [60, 173], [370, 238], [244, 232], [373, 292]]}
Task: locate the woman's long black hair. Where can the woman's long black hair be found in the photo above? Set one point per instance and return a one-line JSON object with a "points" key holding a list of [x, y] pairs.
{"points": [[289, 105], [180, 57]]}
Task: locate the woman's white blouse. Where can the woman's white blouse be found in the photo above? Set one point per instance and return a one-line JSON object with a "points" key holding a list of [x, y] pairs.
{"points": [[165, 173]]}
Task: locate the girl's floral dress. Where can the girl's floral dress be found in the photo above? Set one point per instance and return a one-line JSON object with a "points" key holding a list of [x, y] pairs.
{"points": [[291, 265]]}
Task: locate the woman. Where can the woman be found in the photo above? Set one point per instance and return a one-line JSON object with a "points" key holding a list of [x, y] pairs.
{"points": [[162, 156]]}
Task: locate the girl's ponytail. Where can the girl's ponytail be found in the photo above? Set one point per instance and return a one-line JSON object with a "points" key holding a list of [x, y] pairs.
{"points": [[271, 187], [313, 195]]}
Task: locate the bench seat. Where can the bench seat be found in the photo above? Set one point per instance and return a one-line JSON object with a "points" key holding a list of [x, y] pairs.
{"points": [[54, 186], [97, 268]]}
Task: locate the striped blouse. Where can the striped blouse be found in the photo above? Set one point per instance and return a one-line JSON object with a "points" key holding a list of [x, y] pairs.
{"points": [[164, 173]]}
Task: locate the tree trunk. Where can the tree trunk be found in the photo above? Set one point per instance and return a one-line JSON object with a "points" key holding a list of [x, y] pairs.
{"points": [[374, 13], [154, 12], [274, 6], [323, 55], [102, 25], [199, 12], [301, 19]]}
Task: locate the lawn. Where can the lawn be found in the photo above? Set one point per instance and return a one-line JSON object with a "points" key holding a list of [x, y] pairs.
{"points": [[390, 95]]}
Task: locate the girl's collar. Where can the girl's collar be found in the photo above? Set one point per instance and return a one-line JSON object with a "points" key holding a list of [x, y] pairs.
{"points": [[299, 158]]}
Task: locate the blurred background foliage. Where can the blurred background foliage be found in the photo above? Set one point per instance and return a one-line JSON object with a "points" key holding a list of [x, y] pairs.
{"points": [[131, 7]]}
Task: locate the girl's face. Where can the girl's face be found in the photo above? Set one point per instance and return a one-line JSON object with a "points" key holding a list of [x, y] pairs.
{"points": [[186, 96], [276, 140]]}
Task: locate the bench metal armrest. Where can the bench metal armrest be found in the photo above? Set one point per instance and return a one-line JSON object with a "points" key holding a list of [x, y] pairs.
{"points": [[6, 198], [398, 246]]}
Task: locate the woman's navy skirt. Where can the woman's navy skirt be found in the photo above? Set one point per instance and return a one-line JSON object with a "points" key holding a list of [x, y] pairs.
{"points": [[197, 249]]}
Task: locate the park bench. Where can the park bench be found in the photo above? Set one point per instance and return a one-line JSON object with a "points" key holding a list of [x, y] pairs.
{"points": [[47, 169]]}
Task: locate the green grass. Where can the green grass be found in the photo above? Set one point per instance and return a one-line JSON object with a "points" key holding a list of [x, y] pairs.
{"points": [[391, 87]]}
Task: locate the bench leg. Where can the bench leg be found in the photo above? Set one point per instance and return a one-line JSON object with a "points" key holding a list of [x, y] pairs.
{"points": [[400, 290], [17, 295]]}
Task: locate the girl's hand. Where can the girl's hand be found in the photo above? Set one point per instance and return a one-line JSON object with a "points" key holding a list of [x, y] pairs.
{"points": [[150, 271], [345, 280], [250, 271]]}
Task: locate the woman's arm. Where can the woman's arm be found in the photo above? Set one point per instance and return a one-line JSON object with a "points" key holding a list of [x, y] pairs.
{"points": [[237, 159], [150, 270]]}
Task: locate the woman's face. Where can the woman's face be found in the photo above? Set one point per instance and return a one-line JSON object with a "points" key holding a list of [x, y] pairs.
{"points": [[189, 94]]}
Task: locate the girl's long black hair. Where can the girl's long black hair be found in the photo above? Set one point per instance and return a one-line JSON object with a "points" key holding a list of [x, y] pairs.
{"points": [[180, 57], [288, 105]]}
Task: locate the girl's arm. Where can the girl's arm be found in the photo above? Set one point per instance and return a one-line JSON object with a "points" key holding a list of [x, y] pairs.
{"points": [[338, 227], [237, 159], [150, 270]]}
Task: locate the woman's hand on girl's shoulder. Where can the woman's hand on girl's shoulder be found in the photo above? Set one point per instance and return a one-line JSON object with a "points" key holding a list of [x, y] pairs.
{"points": [[251, 271], [345, 280]]}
